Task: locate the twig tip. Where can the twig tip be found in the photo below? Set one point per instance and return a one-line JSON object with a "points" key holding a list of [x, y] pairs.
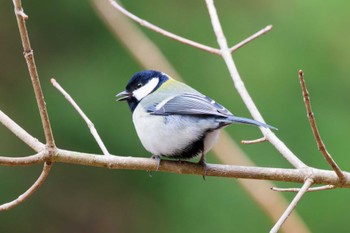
{"points": [[301, 73]]}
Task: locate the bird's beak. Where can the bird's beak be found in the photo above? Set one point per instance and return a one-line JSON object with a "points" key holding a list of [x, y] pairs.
{"points": [[124, 95]]}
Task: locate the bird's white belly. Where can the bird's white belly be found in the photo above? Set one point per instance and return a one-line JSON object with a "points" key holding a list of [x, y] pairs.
{"points": [[165, 135]]}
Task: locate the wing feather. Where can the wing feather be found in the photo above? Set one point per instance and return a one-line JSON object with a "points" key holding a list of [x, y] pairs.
{"points": [[189, 104]]}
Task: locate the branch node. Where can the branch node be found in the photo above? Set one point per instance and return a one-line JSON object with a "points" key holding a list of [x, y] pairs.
{"points": [[21, 13]]}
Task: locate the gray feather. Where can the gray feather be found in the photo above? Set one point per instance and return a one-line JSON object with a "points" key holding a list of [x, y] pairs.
{"points": [[242, 120], [189, 104]]}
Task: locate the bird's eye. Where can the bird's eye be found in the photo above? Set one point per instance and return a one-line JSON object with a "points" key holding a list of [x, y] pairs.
{"points": [[139, 85]]}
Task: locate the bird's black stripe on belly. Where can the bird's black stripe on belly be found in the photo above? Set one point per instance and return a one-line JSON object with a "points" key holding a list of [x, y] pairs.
{"points": [[192, 150]]}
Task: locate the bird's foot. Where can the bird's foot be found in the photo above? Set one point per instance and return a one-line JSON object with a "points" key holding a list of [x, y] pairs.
{"points": [[204, 165], [157, 158]]}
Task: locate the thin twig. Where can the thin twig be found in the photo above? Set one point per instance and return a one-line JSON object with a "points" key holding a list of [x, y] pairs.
{"points": [[251, 38], [321, 146], [292, 205], [83, 115], [314, 189], [243, 92], [30, 191], [162, 31], [29, 56], [262, 139], [17, 130], [23, 161]]}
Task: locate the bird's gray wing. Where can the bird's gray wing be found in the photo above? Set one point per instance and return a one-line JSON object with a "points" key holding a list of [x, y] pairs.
{"points": [[188, 104]]}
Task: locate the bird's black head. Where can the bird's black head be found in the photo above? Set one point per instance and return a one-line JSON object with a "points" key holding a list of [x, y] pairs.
{"points": [[140, 85]]}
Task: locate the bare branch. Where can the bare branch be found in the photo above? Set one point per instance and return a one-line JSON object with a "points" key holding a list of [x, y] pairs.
{"points": [[83, 115], [21, 133], [162, 31], [321, 146], [30, 191], [226, 54], [29, 56], [262, 139], [320, 188], [251, 38], [23, 161], [292, 205], [246, 172]]}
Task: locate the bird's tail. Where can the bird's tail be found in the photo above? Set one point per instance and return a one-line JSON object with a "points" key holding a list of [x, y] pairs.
{"points": [[242, 120]]}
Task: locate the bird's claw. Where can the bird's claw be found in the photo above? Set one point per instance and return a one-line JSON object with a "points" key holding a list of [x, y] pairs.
{"points": [[204, 165], [157, 158]]}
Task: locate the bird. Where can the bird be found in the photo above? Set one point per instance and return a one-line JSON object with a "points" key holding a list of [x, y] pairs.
{"points": [[174, 120]]}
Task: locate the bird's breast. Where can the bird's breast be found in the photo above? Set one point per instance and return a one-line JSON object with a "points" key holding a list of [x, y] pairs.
{"points": [[172, 135]]}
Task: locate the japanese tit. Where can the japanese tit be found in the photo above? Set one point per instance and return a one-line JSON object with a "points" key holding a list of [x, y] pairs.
{"points": [[174, 120]]}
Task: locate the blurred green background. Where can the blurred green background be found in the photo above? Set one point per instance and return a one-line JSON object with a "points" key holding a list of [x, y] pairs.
{"points": [[72, 44]]}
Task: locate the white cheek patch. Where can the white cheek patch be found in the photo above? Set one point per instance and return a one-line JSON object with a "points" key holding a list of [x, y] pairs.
{"points": [[143, 91]]}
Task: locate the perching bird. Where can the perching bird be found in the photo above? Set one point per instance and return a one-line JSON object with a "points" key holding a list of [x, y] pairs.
{"points": [[174, 120]]}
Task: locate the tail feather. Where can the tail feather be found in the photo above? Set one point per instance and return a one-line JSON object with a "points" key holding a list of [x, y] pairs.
{"points": [[242, 120]]}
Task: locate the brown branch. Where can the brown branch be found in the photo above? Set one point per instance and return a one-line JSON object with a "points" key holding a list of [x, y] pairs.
{"points": [[30, 191], [23, 161], [321, 146], [29, 57], [243, 92], [83, 115], [262, 139], [293, 204], [162, 31], [251, 38], [28, 139], [320, 188], [246, 172]]}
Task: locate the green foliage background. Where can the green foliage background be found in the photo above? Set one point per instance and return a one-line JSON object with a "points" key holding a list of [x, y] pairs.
{"points": [[72, 44]]}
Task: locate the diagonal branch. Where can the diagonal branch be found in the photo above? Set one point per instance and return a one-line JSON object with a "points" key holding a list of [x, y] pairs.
{"points": [[30, 191], [162, 31], [251, 38], [83, 115], [321, 146], [29, 56], [292, 205], [17, 130], [243, 92]]}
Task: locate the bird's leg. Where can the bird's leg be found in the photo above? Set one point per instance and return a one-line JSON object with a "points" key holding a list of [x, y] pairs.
{"points": [[204, 164], [157, 158]]}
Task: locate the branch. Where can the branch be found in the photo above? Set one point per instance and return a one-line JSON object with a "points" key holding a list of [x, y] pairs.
{"points": [[292, 205], [30, 191], [251, 38], [226, 54], [29, 56], [82, 114], [320, 144], [262, 139], [162, 31], [23, 161], [320, 188], [28, 139], [247, 172]]}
